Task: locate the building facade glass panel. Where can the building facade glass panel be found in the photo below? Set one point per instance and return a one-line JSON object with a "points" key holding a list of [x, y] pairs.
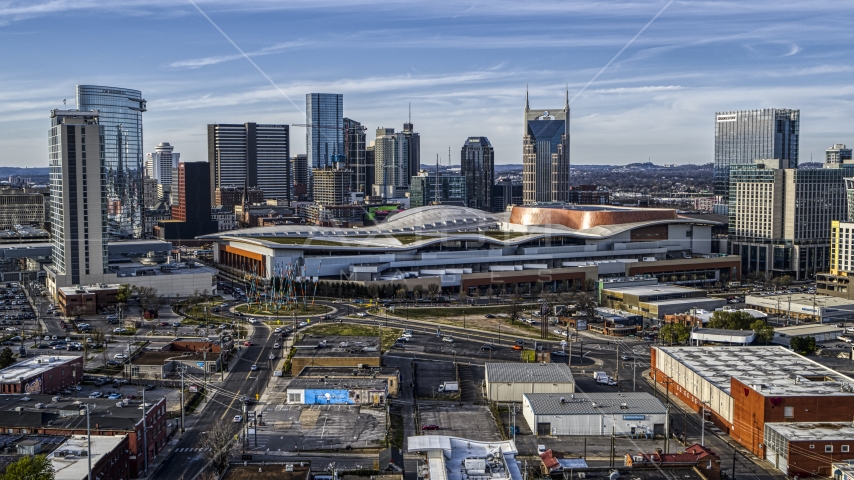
{"points": [[121, 117]]}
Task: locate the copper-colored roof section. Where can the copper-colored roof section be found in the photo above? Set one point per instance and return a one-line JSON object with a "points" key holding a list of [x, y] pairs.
{"points": [[584, 217]]}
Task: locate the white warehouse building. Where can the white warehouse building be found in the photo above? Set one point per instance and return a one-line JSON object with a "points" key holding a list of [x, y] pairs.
{"points": [[507, 382], [637, 414]]}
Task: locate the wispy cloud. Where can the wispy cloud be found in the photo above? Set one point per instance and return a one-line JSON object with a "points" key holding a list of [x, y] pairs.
{"points": [[647, 89], [817, 70], [271, 50]]}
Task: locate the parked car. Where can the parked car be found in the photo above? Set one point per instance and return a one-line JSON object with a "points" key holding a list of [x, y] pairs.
{"points": [[448, 339], [516, 347], [489, 315], [430, 426], [149, 388], [559, 353], [119, 356], [487, 347], [96, 395], [276, 345]]}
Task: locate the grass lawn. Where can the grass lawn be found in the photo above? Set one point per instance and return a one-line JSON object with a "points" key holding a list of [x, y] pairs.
{"points": [[387, 336], [301, 310], [474, 317]]}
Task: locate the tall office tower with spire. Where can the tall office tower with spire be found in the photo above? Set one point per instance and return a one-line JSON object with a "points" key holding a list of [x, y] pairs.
{"points": [[477, 165], [324, 135], [747, 135], [545, 154], [78, 197], [120, 116], [250, 155]]}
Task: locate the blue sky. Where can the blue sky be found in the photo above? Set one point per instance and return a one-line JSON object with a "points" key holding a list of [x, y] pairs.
{"points": [[463, 65]]}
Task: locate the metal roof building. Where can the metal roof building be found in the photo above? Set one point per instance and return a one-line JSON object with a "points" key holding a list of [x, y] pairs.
{"points": [[638, 414], [452, 458], [506, 382]]}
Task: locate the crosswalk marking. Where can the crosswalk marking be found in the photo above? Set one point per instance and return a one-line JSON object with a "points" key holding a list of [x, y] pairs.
{"points": [[190, 449]]}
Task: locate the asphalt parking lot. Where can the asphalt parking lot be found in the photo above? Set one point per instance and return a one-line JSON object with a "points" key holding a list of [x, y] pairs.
{"points": [[429, 374], [473, 422], [313, 427]]}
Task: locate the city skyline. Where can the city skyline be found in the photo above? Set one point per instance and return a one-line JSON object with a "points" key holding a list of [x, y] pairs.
{"points": [[692, 61]]}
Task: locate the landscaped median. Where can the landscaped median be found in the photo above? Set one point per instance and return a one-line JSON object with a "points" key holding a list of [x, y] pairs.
{"points": [[474, 318], [300, 310], [387, 335]]}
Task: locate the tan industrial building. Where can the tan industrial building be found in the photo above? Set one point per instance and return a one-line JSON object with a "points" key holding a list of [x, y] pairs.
{"points": [[336, 351], [507, 382], [803, 306], [656, 301]]}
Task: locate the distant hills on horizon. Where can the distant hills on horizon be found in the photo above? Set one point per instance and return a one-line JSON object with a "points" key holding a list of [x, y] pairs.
{"points": [[24, 171]]}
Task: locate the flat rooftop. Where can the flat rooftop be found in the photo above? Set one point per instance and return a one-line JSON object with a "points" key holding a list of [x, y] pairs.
{"points": [[313, 371], [75, 464], [805, 431], [647, 290], [33, 366], [610, 403], [723, 331], [139, 269], [529, 373], [267, 471], [799, 330], [64, 412], [460, 459], [338, 383], [337, 346], [798, 300], [160, 358], [770, 370]]}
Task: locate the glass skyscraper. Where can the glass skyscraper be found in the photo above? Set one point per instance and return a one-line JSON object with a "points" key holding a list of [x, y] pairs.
{"points": [[120, 115], [324, 136], [747, 135], [477, 165], [545, 155]]}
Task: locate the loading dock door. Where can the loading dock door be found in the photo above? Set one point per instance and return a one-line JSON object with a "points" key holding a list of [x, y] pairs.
{"points": [[544, 429], [658, 429]]}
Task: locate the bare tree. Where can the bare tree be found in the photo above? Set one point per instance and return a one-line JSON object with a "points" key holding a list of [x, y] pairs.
{"points": [[433, 290], [217, 445]]}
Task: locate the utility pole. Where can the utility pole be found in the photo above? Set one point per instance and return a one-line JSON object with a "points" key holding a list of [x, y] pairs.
{"points": [[205, 372], [667, 429], [732, 476], [89, 442], [617, 370], [613, 439], [182, 399], [144, 436]]}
